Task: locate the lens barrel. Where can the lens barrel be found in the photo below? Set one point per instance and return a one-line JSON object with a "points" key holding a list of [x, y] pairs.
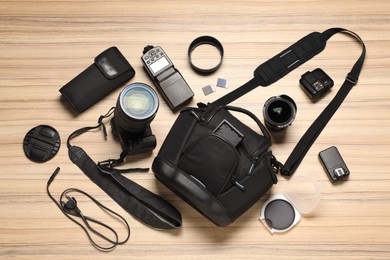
{"points": [[136, 107], [279, 112]]}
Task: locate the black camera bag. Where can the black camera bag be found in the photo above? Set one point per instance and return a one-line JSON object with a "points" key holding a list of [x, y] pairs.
{"points": [[216, 163], [222, 167]]}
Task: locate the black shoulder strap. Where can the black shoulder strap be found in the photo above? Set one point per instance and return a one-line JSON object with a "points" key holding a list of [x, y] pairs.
{"points": [[279, 66], [319, 124], [141, 203], [286, 61]]}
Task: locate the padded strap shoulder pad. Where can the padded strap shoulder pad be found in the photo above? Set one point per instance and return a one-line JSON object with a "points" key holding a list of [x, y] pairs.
{"points": [[289, 59]]}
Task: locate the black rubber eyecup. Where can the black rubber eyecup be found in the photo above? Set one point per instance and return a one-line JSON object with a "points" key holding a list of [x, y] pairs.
{"points": [[41, 143]]}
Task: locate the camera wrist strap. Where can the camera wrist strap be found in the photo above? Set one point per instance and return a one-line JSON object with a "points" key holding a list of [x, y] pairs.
{"points": [[139, 202], [283, 63]]}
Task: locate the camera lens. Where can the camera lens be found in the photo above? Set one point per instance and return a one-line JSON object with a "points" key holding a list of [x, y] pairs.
{"points": [[279, 112], [136, 107]]}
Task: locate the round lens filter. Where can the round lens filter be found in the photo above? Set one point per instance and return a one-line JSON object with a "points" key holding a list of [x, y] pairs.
{"points": [[279, 214]]}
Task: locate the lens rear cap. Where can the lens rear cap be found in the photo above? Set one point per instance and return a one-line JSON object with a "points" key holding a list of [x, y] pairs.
{"points": [[41, 143]]}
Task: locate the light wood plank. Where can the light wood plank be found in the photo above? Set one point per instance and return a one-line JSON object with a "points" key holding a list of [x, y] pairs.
{"points": [[44, 44]]}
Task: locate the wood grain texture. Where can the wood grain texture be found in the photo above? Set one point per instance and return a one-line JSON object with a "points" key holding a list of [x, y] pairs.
{"points": [[44, 44]]}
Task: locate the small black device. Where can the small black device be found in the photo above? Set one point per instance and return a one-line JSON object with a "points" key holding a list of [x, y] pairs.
{"points": [[279, 112], [316, 83], [334, 164], [136, 108], [167, 78]]}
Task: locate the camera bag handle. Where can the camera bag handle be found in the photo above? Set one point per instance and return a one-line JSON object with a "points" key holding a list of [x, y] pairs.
{"points": [[283, 63], [208, 115]]}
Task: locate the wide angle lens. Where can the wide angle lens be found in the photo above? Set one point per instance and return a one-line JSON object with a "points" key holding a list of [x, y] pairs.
{"points": [[136, 107], [279, 112]]}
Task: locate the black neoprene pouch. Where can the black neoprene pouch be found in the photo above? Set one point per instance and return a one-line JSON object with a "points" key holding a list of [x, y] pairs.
{"points": [[109, 71]]}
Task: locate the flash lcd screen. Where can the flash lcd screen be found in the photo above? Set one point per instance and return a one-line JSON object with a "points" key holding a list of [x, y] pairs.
{"points": [[159, 65]]}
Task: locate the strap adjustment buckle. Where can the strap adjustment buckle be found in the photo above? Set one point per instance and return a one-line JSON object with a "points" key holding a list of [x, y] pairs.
{"points": [[352, 78]]}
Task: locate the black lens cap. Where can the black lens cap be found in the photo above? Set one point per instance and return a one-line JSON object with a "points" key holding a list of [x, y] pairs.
{"points": [[41, 143]]}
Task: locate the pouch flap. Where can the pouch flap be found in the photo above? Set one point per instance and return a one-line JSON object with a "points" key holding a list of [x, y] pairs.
{"points": [[112, 63]]}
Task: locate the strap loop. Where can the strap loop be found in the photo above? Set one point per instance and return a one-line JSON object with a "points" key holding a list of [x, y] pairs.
{"points": [[89, 128]]}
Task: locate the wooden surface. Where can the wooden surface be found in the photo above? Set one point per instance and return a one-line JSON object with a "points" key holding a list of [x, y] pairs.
{"points": [[44, 44]]}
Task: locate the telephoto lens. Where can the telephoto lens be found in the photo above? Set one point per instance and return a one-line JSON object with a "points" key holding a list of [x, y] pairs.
{"points": [[279, 112], [136, 107]]}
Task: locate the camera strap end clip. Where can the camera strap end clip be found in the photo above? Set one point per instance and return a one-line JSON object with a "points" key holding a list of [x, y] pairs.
{"points": [[100, 120], [107, 166]]}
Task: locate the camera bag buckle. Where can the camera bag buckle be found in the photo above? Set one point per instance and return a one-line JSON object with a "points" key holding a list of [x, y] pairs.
{"points": [[107, 166]]}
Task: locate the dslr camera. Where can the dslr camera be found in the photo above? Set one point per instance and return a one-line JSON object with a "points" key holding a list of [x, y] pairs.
{"points": [[135, 109]]}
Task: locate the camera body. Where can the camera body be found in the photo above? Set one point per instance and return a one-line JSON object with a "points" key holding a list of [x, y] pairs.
{"points": [[134, 143], [135, 109]]}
